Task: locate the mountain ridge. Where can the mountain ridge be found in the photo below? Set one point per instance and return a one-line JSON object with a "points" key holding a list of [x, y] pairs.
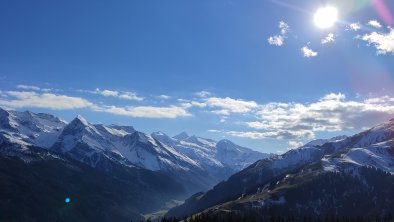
{"points": [[345, 156]]}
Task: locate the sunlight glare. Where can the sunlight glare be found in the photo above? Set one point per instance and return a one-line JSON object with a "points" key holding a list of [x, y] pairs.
{"points": [[326, 17]]}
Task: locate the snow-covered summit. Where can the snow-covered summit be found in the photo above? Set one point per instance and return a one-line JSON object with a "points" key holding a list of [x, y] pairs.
{"points": [[211, 154]]}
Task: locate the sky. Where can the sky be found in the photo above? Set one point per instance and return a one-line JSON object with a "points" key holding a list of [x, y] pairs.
{"points": [[262, 73]]}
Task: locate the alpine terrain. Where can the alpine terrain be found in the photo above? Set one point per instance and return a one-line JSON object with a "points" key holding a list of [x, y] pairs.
{"points": [[110, 173], [343, 176]]}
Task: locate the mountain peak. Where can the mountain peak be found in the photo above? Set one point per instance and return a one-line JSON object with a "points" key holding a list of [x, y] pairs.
{"points": [[78, 121], [225, 141], [181, 136], [81, 119]]}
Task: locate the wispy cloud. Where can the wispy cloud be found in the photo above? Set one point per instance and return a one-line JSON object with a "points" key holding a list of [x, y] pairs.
{"points": [[35, 99], [31, 87], [383, 42], [284, 27], [203, 93], [116, 94], [355, 26], [307, 52], [374, 23], [165, 97], [19, 99], [328, 39], [170, 112], [279, 40], [272, 134], [229, 105]]}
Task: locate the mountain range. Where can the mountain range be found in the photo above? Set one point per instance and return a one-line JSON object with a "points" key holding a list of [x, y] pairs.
{"points": [[116, 173], [100, 164], [342, 176]]}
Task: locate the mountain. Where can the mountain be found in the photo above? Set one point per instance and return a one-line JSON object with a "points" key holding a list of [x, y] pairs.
{"points": [[155, 168], [211, 154], [342, 176]]}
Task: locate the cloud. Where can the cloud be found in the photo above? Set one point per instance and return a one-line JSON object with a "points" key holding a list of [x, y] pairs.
{"points": [[228, 105], [28, 87], [107, 92], [328, 39], [33, 99], [295, 144], [202, 94], [273, 135], [307, 52], [383, 42], [355, 26], [330, 113], [20, 99], [130, 96], [165, 97], [189, 104], [31, 87], [284, 27], [117, 94], [170, 112], [374, 23], [214, 131], [279, 40]]}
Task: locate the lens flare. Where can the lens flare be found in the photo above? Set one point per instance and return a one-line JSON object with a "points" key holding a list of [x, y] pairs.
{"points": [[383, 11]]}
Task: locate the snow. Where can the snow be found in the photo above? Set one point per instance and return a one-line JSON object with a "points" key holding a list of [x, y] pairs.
{"points": [[116, 132]]}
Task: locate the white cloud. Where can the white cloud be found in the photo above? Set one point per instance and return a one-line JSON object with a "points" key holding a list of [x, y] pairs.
{"points": [[284, 27], [274, 135], [170, 112], [330, 113], [28, 87], [189, 104], [214, 131], [31, 87], [33, 99], [307, 52], [43, 100], [355, 26], [277, 40], [107, 92], [333, 96], [374, 23], [295, 144], [328, 39], [165, 97], [202, 93], [383, 42], [117, 94], [130, 96], [228, 105]]}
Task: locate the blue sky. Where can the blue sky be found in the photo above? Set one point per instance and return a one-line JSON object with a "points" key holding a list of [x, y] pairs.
{"points": [[212, 68]]}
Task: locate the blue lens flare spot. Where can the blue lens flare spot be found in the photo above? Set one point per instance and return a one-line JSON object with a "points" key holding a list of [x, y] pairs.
{"points": [[67, 200]]}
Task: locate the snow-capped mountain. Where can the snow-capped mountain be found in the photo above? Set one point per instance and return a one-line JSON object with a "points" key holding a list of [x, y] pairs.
{"points": [[101, 146], [276, 181], [91, 143], [209, 153], [29, 128]]}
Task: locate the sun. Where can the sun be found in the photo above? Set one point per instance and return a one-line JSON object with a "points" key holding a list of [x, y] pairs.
{"points": [[326, 17]]}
